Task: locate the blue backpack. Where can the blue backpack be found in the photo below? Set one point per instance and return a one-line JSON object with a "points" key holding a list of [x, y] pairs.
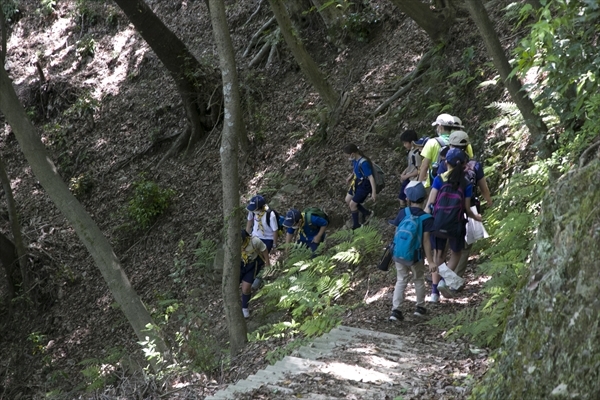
{"points": [[449, 211], [408, 238]]}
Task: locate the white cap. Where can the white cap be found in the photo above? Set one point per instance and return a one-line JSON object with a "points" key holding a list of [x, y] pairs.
{"points": [[458, 122], [444, 120]]}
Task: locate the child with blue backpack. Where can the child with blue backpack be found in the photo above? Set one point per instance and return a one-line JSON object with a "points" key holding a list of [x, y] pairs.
{"points": [[362, 183], [449, 200], [310, 226], [262, 223], [412, 234]]}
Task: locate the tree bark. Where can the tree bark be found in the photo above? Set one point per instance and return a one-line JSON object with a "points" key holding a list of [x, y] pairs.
{"points": [[195, 83], [8, 259], [307, 65], [15, 227], [435, 24], [3, 37], [85, 227], [533, 121], [232, 126]]}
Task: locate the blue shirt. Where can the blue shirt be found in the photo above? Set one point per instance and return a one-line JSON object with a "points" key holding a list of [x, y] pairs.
{"points": [[438, 182], [362, 169], [309, 231]]}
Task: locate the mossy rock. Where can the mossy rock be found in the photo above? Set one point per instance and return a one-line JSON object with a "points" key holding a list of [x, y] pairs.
{"points": [[551, 346]]}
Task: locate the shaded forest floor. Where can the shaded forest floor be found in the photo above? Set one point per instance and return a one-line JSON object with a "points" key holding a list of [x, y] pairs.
{"points": [[108, 116]]}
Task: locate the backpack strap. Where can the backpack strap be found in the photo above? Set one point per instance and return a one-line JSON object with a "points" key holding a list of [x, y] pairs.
{"points": [[440, 140]]}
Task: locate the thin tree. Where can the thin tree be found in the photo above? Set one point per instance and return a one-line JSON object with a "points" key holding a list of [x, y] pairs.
{"points": [[85, 227], [533, 120], [307, 65], [196, 84], [232, 126], [15, 227]]}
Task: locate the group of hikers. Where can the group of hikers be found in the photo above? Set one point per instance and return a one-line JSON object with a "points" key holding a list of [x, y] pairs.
{"points": [[438, 193]]}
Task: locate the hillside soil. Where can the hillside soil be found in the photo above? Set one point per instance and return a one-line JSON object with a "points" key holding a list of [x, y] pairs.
{"points": [[108, 112]]}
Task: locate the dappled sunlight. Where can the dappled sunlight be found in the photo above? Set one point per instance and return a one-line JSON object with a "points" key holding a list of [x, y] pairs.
{"points": [[381, 294], [355, 373]]}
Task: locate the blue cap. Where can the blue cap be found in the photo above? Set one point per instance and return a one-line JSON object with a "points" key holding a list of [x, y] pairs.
{"points": [[421, 141], [291, 218], [455, 156], [415, 193], [256, 203]]}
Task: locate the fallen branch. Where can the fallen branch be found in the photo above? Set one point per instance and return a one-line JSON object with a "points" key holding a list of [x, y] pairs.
{"points": [[583, 159], [254, 13], [396, 95]]}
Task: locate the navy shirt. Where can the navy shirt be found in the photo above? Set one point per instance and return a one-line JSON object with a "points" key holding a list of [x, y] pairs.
{"points": [[417, 211], [309, 231]]}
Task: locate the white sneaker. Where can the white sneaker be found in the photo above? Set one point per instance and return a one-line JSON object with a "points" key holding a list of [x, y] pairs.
{"points": [[434, 298], [246, 312]]}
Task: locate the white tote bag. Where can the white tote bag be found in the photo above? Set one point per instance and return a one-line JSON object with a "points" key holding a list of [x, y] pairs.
{"points": [[453, 281], [475, 229]]}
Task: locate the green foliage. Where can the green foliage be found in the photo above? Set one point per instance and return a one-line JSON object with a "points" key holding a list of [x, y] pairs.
{"points": [[100, 372], [281, 351], [357, 18], [81, 184], [10, 9], [308, 288], [205, 252], [272, 182], [46, 7], [37, 339], [86, 47], [148, 202], [561, 49]]}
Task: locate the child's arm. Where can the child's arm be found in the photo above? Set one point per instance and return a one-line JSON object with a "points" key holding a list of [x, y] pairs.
{"points": [[428, 252], [431, 200], [485, 191], [470, 212]]}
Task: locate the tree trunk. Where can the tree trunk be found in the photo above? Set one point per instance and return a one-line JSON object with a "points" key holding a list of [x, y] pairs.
{"points": [[232, 126], [533, 121], [85, 227], [15, 227], [8, 259], [304, 60], [3, 36], [195, 83], [435, 24]]}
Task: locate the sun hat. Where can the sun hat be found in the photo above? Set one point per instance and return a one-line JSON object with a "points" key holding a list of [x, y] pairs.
{"points": [[458, 138], [455, 156], [256, 203], [444, 120], [415, 193], [458, 122], [291, 218]]}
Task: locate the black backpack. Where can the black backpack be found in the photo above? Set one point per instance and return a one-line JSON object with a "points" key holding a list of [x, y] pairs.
{"points": [[277, 217]]}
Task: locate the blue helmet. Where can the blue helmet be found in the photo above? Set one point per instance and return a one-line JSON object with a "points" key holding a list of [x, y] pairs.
{"points": [[292, 217]]}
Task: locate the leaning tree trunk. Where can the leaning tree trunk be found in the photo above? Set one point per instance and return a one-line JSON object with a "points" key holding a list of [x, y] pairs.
{"points": [[195, 83], [232, 126], [307, 65], [550, 349], [533, 120], [8, 259], [436, 24], [15, 227], [85, 227]]}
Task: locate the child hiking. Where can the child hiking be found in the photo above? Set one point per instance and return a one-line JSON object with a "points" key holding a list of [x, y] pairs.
{"points": [[412, 234], [254, 256], [411, 172], [262, 223], [362, 183], [310, 225], [449, 200]]}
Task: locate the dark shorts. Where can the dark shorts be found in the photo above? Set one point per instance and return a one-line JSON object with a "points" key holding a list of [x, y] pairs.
{"points": [[268, 243], [249, 271], [456, 244], [362, 191]]}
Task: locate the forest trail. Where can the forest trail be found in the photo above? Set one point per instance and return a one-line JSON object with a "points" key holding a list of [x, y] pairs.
{"points": [[353, 363]]}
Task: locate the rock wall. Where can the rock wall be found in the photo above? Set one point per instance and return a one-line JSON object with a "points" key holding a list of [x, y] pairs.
{"points": [[551, 347]]}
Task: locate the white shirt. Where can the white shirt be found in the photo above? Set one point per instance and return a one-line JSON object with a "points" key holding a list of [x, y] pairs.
{"points": [[266, 233]]}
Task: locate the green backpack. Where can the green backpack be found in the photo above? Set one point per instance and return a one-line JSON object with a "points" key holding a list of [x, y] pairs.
{"points": [[316, 211]]}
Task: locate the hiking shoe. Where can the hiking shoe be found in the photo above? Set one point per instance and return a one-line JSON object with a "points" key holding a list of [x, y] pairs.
{"points": [[356, 227], [434, 298], [420, 311], [396, 316], [246, 312], [445, 290]]}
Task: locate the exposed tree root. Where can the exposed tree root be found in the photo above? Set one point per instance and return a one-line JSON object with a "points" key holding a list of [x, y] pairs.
{"points": [[269, 45], [254, 13], [254, 39]]}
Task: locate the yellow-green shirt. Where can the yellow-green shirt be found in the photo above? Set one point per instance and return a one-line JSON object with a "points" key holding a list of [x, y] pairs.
{"points": [[431, 150]]}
